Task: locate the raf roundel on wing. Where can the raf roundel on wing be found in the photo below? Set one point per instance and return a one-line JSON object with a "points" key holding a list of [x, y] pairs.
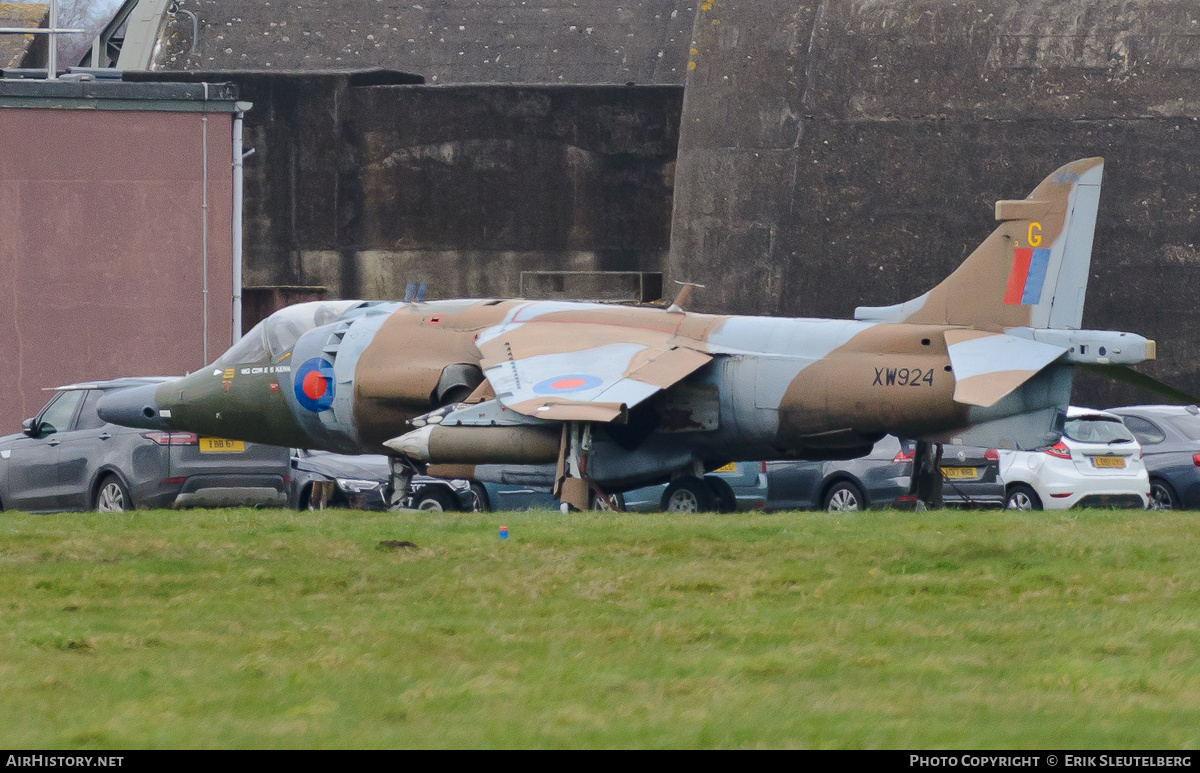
{"points": [[572, 382]]}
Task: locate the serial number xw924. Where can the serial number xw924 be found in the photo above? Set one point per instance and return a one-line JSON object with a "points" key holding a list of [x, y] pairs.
{"points": [[903, 377]]}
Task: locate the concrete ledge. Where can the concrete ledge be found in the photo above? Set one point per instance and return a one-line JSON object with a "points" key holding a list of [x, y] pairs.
{"points": [[119, 95]]}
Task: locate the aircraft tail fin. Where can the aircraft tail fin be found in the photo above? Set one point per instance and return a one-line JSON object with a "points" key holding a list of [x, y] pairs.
{"points": [[1032, 271]]}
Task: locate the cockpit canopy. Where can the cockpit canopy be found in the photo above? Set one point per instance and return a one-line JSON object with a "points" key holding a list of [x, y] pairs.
{"points": [[277, 334]]}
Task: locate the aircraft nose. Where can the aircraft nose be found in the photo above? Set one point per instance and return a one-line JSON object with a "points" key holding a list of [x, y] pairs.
{"points": [[133, 407]]}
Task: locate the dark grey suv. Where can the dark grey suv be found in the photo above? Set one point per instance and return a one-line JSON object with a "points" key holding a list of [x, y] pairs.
{"points": [[67, 458], [1170, 438], [881, 479]]}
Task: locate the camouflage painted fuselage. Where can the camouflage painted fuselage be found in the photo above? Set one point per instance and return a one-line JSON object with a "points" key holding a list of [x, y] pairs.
{"points": [[761, 388]]}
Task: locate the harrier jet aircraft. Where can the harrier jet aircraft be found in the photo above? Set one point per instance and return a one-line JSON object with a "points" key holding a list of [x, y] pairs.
{"points": [[621, 397]]}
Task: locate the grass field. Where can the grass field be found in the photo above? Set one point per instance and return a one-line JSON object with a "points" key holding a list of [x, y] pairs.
{"points": [[242, 628]]}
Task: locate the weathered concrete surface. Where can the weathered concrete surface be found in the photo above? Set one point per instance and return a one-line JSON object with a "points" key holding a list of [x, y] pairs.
{"points": [[846, 152], [447, 41], [361, 189]]}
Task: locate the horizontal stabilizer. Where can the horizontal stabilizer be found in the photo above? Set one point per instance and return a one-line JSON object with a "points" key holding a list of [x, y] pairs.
{"points": [[988, 366], [1128, 375]]}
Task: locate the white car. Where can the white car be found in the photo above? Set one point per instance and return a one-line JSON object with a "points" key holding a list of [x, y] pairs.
{"points": [[1098, 463]]}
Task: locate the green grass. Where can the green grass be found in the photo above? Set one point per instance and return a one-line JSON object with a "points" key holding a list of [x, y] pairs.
{"points": [[241, 628]]}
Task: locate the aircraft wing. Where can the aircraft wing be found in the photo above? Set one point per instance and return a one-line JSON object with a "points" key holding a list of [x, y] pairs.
{"points": [[987, 366], [582, 372]]}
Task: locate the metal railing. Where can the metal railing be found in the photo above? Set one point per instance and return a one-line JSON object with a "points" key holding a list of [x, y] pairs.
{"points": [[53, 30]]}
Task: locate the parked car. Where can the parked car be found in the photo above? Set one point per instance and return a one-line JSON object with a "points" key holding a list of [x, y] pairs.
{"points": [[502, 487], [1098, 463], [1170, 439], [878, 480], [881, 479], [516, 487], [360, 481], [68, 458], [734, 487], [440, 495], [355, 481]]}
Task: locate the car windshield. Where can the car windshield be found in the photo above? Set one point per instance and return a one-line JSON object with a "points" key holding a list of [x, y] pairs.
{"points": [[275, 335], [1096, 429]]}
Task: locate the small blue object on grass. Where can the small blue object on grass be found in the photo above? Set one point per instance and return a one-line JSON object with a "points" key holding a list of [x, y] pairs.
{"points": [[503, 532]]}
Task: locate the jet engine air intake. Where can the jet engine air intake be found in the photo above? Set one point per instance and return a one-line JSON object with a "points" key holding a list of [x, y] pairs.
{"points": [[456, 383]]}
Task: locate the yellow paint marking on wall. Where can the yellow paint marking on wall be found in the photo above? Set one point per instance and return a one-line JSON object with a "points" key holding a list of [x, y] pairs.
{"points": [[1035, 234]]}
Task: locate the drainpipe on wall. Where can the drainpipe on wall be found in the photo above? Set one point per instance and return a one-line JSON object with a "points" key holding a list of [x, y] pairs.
{"points": [[204, 218], [52, 48], [239, 158]]}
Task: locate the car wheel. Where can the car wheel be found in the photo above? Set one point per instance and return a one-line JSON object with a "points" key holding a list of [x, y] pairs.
{"points": [[844, 497], [435, 499], [726, 500], [1022, 497], [112, 496], [687, 495], [479, 499], [608, 503], [1162, 496]]}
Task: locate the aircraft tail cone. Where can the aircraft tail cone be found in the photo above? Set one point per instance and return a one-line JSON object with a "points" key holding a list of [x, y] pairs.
{"points": [[134, 407]]}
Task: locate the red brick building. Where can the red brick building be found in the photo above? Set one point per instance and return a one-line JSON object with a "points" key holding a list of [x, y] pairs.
{"points": [[116, 232]]}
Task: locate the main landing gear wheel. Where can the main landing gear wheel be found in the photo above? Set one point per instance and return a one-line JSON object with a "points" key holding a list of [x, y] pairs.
{"points": [[1022, 497], [688, 494], [845, 497], [112, 496]]}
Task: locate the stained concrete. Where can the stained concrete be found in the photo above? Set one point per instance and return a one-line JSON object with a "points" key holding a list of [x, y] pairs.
{"points": [[843, 153], [360, 189], [447, 41]]}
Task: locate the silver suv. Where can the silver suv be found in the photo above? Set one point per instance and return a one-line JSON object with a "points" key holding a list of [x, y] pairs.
{"points": [[68, 458]]}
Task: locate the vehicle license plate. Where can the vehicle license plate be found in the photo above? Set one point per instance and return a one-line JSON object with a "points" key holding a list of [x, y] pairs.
{"points": [[1114, 462], [218, 445], [960, 473], [731, 467]]}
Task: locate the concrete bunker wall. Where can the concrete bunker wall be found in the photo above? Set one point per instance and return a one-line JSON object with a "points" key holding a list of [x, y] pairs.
{"points": [[361, 189], [843, 152]]}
